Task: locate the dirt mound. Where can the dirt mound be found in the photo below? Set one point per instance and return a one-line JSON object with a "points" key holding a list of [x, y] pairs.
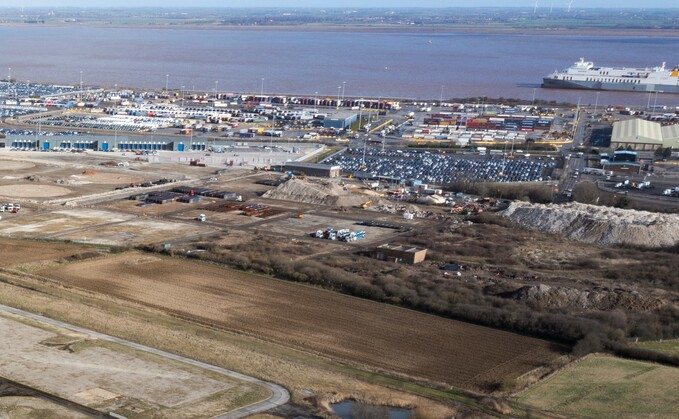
{"points": [[544, 296], [600, 225], [34, 178], [398, 208], [72, 180], [89, 172], [321, 193]]}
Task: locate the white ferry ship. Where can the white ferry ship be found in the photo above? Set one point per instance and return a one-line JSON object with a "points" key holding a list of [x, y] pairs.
{"points": [[585, 75]]}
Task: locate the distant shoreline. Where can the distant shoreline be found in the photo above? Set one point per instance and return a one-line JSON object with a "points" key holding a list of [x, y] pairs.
{"points": [[668, 33]]}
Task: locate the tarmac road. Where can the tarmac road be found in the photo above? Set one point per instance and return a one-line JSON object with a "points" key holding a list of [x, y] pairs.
{"points": [[279, 396]]}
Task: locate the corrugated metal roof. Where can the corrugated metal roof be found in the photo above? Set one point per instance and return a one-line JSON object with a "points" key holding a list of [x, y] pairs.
{"points": [[637, 131], [671, 135]]}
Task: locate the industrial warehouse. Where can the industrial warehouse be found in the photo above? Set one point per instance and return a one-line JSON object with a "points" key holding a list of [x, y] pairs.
{"points": [[642, 135], [83, 143]]}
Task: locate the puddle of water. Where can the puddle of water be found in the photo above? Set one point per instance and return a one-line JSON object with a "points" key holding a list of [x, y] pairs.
{"points": [[350, 409]]}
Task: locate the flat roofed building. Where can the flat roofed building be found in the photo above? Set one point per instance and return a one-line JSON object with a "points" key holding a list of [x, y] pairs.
{"points": [[313, 169], [625, 156], [642, 135], [622, 167], [340, 120], [400, 253]]}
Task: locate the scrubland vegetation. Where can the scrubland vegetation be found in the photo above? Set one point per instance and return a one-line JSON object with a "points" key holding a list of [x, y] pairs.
{"points": [[491, 251]]}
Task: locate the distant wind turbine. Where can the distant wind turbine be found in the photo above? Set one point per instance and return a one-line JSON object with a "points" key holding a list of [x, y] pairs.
{"points": [[535, 9], [570, 3]]}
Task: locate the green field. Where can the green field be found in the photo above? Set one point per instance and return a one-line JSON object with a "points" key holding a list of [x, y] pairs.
{"points": [[669, 347], [602, 386]]}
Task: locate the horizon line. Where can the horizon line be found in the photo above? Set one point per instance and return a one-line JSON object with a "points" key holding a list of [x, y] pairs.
{"points": [[100, 6]]}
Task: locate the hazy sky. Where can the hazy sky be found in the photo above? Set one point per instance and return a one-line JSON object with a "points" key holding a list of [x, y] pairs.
{"points": [[341, 3]]}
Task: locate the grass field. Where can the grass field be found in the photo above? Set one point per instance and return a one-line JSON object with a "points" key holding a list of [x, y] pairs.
{"points": [[602, 386], [669, 347], [349, 329]]}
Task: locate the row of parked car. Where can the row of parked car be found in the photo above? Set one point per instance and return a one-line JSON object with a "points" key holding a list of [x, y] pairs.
{"points": [[438, 168]]}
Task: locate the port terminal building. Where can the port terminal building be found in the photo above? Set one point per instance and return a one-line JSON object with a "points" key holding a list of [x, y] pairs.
{"points": [[641, 135]]}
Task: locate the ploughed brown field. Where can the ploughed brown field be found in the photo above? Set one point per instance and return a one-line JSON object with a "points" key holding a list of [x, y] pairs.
{"points": [[345, 328], [16, 252]]}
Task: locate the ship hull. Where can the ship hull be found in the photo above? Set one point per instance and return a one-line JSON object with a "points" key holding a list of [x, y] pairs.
{"points": [[595, 85]]}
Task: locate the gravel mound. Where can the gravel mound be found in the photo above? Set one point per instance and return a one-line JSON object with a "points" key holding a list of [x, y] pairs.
{"points": [[320, 193], [595, 224], [544, 296]]}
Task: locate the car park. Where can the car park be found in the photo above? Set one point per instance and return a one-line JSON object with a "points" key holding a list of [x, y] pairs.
{"points": [[438, 168]]}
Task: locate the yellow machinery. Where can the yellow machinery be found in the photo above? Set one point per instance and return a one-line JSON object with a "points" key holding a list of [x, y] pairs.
{"points": [[366, 204]]}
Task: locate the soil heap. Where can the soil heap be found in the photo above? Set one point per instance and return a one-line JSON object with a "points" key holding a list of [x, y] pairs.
{"points": [[544, 296], [595, 224], [320, 193]]}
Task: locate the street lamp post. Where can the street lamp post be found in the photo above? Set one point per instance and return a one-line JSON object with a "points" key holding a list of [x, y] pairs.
{"points": [[339, 89], [261, 91], [216, 90], [167, 82], [441, 96], [360, 115], [577, 120], [343, 86], [81, 84], [37, 132], [181, 93]]}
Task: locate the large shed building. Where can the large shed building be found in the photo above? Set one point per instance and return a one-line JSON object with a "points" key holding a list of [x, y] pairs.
{"points": [[670, 135], [641, 135]]}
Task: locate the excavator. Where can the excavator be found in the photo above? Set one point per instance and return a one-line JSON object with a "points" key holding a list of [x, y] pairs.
{"points": [[366, 204]]}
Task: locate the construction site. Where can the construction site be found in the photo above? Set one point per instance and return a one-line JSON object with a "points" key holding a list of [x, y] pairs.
{"points": [[264, 268]]}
